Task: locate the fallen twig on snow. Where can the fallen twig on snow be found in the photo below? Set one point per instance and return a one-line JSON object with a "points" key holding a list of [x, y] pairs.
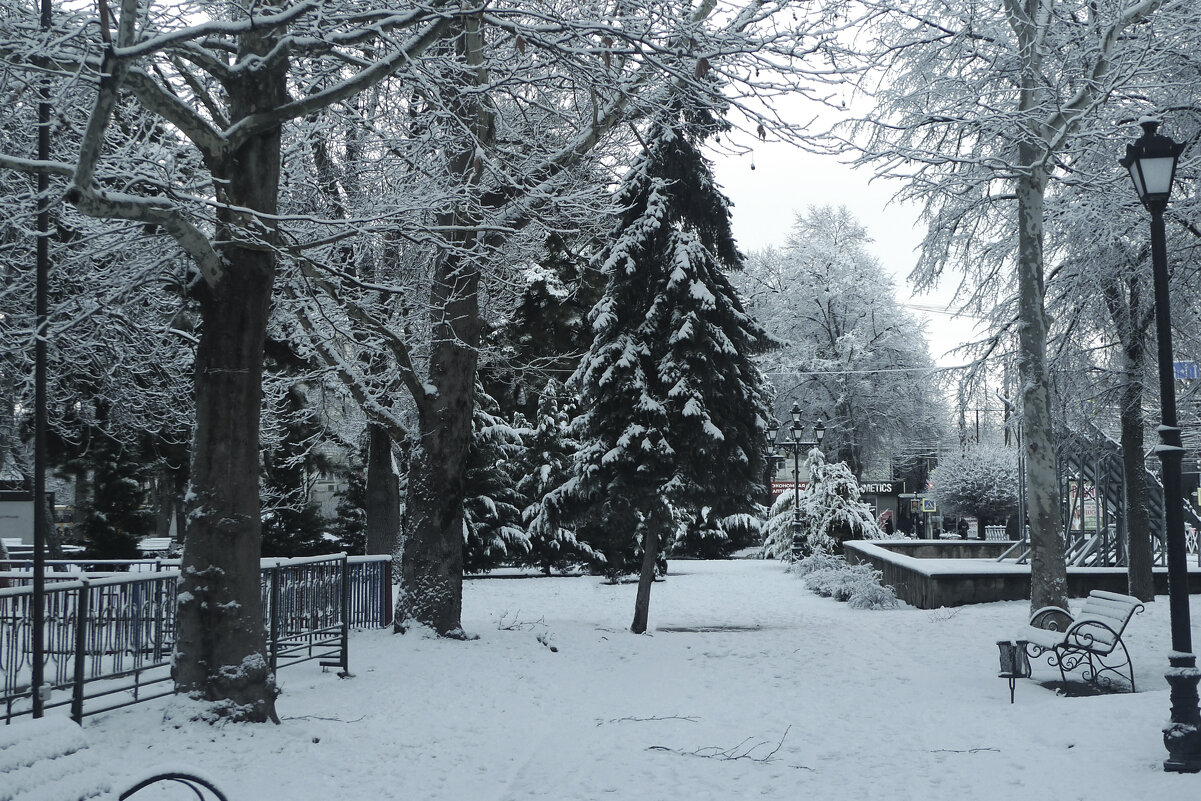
{"points": [[964, 750], [738, 752], [688, 718]]}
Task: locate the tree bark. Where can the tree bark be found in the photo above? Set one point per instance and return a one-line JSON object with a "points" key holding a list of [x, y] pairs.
{"points": [[164, 502], [221, 650], [1048, 568], [646, 578], [1131, 321], [383, 493], [1140, 578], [431, 553]]}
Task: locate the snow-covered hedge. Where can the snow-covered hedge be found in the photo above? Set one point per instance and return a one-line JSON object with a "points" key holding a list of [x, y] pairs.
{"points": [[857, 585]]}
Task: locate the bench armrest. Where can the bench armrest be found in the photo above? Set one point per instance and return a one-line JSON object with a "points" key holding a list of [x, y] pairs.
{"points": [[1093, 635], [193, 781]]}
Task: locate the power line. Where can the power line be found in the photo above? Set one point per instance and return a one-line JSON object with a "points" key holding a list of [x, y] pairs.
{"points": [[866, 371]]}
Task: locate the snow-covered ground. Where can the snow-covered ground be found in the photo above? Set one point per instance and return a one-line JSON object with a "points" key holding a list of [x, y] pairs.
{"points": [[748, 686]]}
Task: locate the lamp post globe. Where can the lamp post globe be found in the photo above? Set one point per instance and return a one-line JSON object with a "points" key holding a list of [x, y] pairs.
{"points": [[1151, 161]]}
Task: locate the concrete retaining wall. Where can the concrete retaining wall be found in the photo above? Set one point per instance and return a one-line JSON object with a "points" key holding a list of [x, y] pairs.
{"points": [[937, 583]]}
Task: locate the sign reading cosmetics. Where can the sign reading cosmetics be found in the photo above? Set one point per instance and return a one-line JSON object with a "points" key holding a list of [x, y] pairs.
{"points": [[878, 487]]}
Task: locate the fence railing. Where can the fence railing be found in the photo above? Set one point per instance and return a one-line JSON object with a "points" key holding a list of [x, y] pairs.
{"points": [[111, 636]]}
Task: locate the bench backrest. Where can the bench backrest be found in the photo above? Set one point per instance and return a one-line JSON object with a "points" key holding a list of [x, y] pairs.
{"points": [[1110, 608]]}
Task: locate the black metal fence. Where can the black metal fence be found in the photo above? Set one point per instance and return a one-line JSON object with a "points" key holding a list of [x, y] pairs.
{"points": [[109, 637]]}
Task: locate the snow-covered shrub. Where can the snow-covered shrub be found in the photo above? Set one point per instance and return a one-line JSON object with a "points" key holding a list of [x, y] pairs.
{"points": [[873, 595], [857, 585], [816, 562]]}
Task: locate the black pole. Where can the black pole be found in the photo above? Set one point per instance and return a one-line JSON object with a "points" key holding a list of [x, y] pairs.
{"points": [[796, 491], [1182, 737], [38, 645]]}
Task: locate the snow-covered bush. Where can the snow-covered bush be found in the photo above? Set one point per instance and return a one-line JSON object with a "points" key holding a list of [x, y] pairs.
{"points": [[857, 585], [816, 562], [873, 595]]}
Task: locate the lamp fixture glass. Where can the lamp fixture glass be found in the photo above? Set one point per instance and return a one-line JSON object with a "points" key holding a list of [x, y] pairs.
{"points": [[1151, 162]]}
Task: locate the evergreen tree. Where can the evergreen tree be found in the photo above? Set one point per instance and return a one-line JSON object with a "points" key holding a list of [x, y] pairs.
{"points": [[349, 526], [780, 531], [547, 466], [547, 331], [117, 517], [492, 530], [831, 509], [292, 523], [673, 404]]}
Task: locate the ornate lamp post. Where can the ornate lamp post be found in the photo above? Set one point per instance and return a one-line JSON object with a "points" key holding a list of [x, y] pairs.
{"points": [[1151, 161], [795, 446]]}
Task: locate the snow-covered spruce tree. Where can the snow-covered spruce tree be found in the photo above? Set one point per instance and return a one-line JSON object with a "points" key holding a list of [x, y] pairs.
{"points": [[831, 512], [349, 526], [673, 405], [292, 523], [981, 481], [492, 530], [544, 467], [778, 540], [117, 517]]}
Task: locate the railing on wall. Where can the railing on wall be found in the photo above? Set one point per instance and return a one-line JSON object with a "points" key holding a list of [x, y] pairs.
{"points": [[122, 651]]}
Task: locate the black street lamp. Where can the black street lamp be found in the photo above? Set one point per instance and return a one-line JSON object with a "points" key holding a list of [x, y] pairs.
{"points": [[1151, 161], [795, 446]]}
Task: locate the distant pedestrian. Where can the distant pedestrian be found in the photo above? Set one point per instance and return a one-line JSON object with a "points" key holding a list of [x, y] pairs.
{"points": [[886, 524], [962, 527]]}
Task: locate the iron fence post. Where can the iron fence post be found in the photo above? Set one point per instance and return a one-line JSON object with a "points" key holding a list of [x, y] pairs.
{"points": [[81, 647], [274, 600], [385, 596], [345, 614]]}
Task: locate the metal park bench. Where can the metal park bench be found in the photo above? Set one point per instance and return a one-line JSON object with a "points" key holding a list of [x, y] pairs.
{"points": [[48, 758], [1093, 638]]}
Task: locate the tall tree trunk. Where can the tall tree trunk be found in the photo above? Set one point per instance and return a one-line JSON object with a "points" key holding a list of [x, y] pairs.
{"points": [[164, 502], [1140, 579], [383, 493], [1048, 568], [1131, 321], [646, 577], [221, 650], [431, 555]]}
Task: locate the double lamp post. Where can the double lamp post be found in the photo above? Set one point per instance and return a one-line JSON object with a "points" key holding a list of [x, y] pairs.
{"points": [[795, 446], [1151, 161]]}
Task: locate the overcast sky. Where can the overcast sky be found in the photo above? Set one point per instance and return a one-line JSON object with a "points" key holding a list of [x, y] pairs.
{"points": [[787, 180]]}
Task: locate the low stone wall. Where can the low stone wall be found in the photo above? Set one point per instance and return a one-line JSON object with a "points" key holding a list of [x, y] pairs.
{"points": [[946, 549], [928, 584]]}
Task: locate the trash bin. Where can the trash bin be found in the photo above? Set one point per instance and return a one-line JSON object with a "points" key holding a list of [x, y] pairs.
{"points": [[1015, 664]]}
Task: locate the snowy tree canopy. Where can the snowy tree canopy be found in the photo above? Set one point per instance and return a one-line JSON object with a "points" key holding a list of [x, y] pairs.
{"points": [[980, 481], [852, 353]]}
